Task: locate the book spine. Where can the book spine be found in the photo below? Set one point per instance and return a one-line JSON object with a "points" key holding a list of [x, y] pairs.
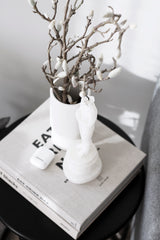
{"points": [[10, 180], [44, 199]]}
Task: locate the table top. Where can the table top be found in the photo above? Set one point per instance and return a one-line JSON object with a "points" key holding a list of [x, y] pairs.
{"points": [[25, 220]]}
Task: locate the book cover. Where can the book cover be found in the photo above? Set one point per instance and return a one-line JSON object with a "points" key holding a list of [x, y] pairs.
{"points": [[78, 205], [36, 201]]}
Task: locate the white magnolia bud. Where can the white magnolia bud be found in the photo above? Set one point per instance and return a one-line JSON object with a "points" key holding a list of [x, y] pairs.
{"points": [[74, 82], [45, 63], [65, 66], [123, 22], [58, 63], [53, 3], [61, 88], [100, 61], [99, 74], [62, 75], [52, 24], [55, 80], [81, 84], [132, 26], [91, 14], [89, 92], [59, 26], [82, 94], [32, 3], [118, 54], [69, 98], [101, 58], [45, 14], [109, 13], [114, 72]]}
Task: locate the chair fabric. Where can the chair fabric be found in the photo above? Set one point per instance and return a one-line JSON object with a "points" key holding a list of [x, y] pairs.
{"points": [[147, 225]]}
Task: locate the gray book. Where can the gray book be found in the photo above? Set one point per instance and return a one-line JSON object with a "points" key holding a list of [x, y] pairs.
{"points": [[73, 207]]}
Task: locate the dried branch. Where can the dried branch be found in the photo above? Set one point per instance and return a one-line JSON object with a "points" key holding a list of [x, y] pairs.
{"points": [[80, 4], [120, 39], [89, 21], [84, 47], [55, 9], [112, 68], [36, 10], [65, 30], [58, 33], [49, 50], [73, 57]]}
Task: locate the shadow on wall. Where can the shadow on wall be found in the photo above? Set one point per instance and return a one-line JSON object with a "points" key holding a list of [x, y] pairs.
{"points": [[125, 100]]}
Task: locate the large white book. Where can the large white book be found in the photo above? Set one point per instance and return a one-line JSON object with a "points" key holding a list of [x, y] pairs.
{"points": [[72, 207]]}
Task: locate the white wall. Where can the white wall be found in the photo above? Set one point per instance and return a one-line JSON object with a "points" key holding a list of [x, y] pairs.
{"points": [[23, 49], [142, 48]]}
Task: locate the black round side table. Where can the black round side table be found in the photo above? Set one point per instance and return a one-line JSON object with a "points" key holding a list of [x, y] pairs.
{"points": [[28, 223]]}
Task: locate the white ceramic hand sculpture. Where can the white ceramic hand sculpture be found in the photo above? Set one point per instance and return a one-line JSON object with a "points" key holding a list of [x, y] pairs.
{"points": [[82, 163], [86, 117]]}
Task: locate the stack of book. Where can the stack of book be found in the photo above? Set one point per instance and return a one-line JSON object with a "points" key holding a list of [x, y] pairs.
{"points": [[72, 207]]}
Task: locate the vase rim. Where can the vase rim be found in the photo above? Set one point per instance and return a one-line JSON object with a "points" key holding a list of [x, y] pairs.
{"points": [[65, 104]]}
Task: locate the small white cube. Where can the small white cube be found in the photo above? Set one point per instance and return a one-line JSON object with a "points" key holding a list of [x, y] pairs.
{"points": [[42, 157]]}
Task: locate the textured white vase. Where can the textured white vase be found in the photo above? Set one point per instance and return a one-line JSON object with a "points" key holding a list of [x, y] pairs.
{"points": [[82, 169], [63, 121], [82, 163]]}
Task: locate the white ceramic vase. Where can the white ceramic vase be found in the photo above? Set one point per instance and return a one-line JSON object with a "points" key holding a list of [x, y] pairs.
{"points": [[63, 121]]}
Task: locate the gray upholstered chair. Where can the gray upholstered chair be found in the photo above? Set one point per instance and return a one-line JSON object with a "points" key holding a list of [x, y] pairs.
{"points": [[147, 225]]}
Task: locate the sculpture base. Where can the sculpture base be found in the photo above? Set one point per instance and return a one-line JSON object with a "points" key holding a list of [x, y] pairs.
{"points": [[79, 168]]}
